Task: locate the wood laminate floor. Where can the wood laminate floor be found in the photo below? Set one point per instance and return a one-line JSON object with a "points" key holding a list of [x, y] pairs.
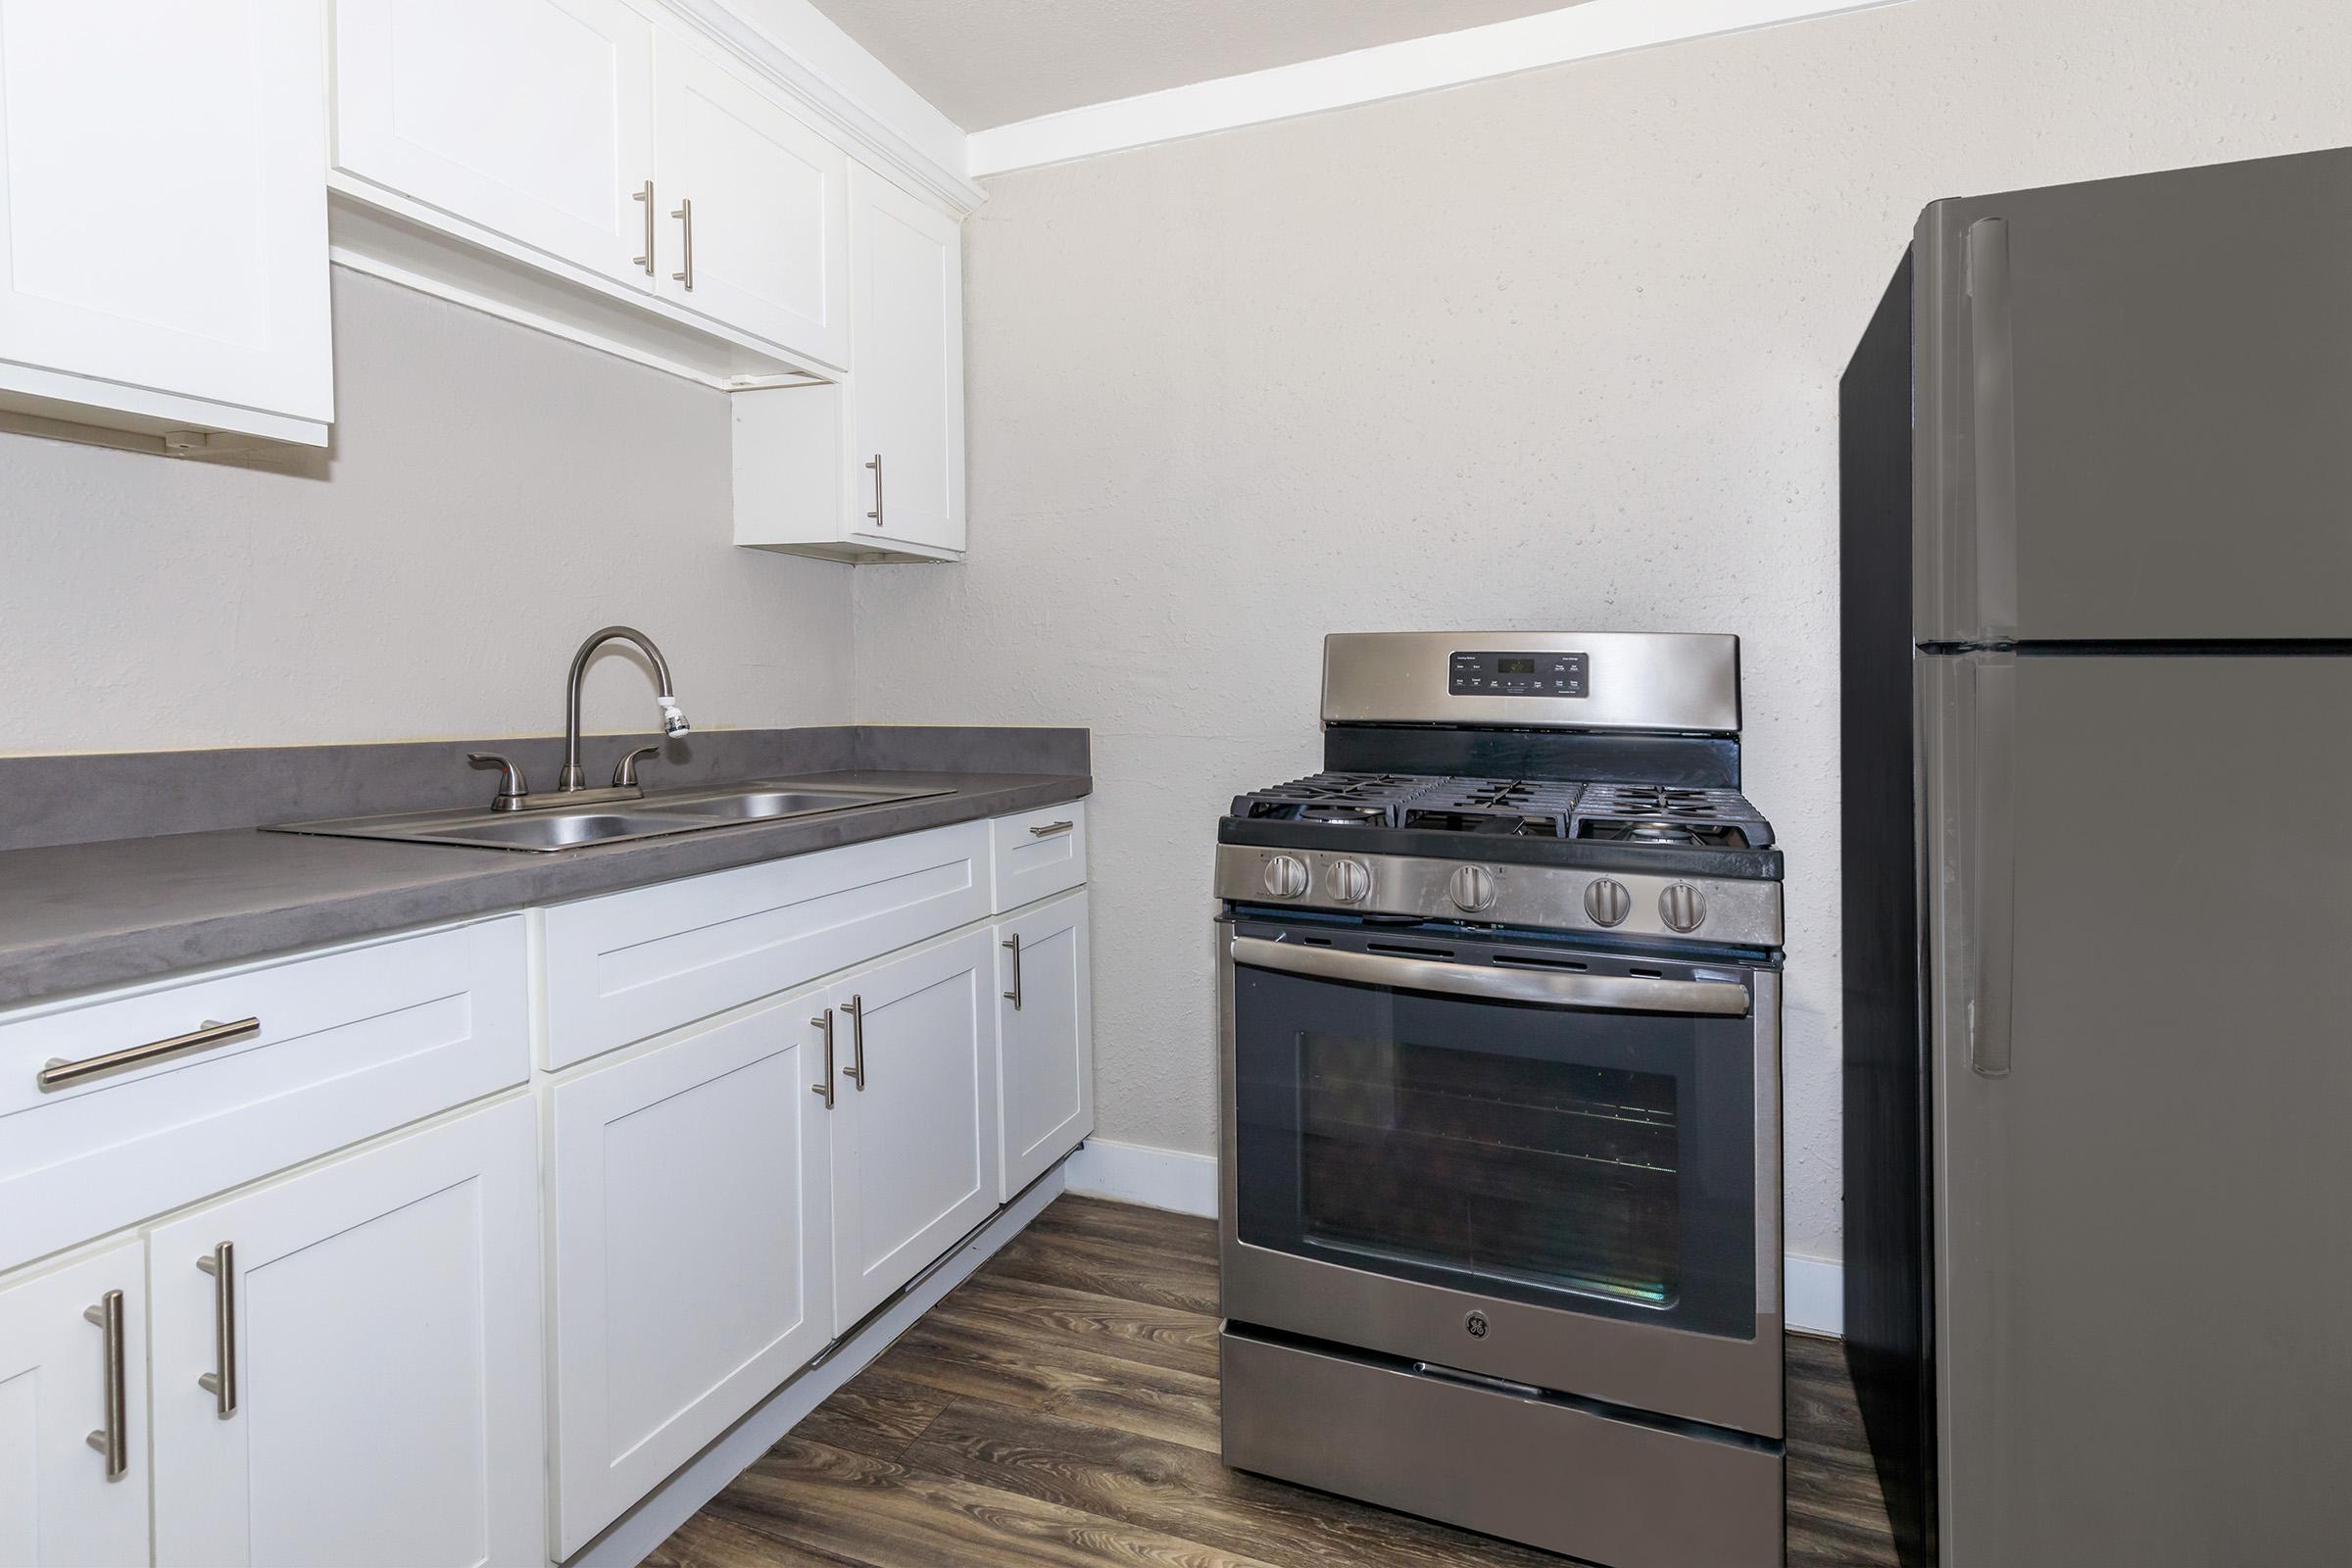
{"points": [[1060, 1408]]}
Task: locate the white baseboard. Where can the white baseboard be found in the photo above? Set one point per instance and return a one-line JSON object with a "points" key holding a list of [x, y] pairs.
{"points": [[1156, 1178], [632, 1538], [1813, 1295], [1814, 1289]]}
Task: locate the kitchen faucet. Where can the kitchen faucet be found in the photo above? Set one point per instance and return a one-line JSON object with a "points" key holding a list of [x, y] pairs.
{"points": [[571, 785], [674, 718]]}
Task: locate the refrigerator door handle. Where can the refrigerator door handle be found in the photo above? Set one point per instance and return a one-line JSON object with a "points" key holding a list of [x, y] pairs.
{"points": [[1992, 427], [1991, 885]]}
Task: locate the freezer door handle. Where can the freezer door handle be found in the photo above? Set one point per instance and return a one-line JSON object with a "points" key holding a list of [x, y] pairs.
{"points": [[1989, 884], [1992, 429]]}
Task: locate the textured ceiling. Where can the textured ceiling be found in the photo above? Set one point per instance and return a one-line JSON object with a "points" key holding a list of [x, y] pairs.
{"points": [[986, 63]]}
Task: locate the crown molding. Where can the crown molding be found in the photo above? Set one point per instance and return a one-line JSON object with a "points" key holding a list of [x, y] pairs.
{"points": [[932, 163], [1388, 71]]}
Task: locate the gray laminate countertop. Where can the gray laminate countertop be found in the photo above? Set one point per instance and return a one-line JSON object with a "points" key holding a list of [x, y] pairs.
{"points": [[75, 916]]}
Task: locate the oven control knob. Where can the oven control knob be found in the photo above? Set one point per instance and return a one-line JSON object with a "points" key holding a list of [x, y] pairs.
{"points": [[1472, 889], [1286, 876], [1682, 907], [1348, 881], [1608, 901]]}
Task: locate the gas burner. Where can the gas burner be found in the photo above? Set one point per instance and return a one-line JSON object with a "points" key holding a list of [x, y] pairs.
{"points": [[1709, 835], [1343, 814], [1662, 816]]}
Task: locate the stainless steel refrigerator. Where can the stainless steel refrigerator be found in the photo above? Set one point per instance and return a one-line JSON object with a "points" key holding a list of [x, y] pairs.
{"points": [[2097, 732]]}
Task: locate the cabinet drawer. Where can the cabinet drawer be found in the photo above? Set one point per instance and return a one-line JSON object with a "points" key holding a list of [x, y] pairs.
{"points": [[1038, 853], [351, 1043], [630, 965]]}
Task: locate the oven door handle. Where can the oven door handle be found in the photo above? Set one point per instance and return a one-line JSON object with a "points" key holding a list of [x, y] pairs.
{"points": [[1599, 992]]}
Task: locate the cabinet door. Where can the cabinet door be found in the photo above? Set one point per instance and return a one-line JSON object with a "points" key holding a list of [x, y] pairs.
{"points": [[693, 1262], [159, 186], [907, 365], [373, 1348], [768, 219], [915, 1142], [530, 117], [1046, 1037], [61, 1397]]}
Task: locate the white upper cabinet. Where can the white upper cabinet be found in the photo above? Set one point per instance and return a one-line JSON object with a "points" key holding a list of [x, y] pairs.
{"points": [[590, 168], [906, 344], [532, 119], [165, 264], [870, 469], [757, 204]]}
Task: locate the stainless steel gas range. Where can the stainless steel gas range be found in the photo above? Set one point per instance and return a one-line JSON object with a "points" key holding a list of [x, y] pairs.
{"points": [[1500, 1010]]}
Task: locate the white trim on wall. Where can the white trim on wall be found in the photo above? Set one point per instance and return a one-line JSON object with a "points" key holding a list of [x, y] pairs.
{"points": [[1187, 1183], [1388, 71]]}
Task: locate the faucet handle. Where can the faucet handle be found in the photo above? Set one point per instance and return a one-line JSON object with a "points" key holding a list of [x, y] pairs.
{"points": [[625, 772], [512, 788]]}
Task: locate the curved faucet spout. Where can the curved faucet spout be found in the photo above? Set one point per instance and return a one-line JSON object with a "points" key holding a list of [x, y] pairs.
{"points": [[674, 718]]}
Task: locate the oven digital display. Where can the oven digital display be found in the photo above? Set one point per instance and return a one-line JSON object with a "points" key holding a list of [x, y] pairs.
{"points": [[1497, 674]]}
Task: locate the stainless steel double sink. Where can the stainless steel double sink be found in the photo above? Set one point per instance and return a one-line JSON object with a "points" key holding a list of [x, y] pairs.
{"points": [[547, 828]]}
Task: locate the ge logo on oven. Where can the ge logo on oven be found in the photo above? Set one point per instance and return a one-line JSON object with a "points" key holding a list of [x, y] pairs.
{"points": [[1475, 1325]]}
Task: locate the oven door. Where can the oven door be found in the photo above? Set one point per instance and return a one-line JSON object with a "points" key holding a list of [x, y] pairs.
{"points": [[1557, 1167]]}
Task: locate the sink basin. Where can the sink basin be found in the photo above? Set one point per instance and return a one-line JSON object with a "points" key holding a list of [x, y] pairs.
{"points": [[759, 805], [546, 830], [554, 830]]}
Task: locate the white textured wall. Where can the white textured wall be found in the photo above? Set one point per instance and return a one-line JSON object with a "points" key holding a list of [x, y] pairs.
{"points": [[1555, 351], [493, 495]]}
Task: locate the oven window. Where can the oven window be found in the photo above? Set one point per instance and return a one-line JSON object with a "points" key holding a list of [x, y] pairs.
{"points": [[1602, 1162], [1550, 1175]]}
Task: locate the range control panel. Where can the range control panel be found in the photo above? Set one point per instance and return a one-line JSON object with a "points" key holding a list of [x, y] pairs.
{"points": [[1484, 674]]}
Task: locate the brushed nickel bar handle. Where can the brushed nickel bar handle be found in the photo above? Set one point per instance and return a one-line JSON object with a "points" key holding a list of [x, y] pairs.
{"points": [[1990, 889], [1716, 998], [1049, 829], [876, 467], [111, 1439], [58, 1072], [1012, 945], [645, 194], [222, 1264], [824, 1091], [1993, 362], [856, 1071], [685, 215]]}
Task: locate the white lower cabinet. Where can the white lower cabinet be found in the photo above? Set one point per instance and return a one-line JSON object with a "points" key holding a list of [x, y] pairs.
{"points": [[1045, 1032], [346, 1363], [914, 1128], [63, 1502], [690, 1203]]}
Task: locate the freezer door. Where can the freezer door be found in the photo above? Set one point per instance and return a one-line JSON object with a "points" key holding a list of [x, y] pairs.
{"points": [[2143, 1081], [2134, 398]]}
